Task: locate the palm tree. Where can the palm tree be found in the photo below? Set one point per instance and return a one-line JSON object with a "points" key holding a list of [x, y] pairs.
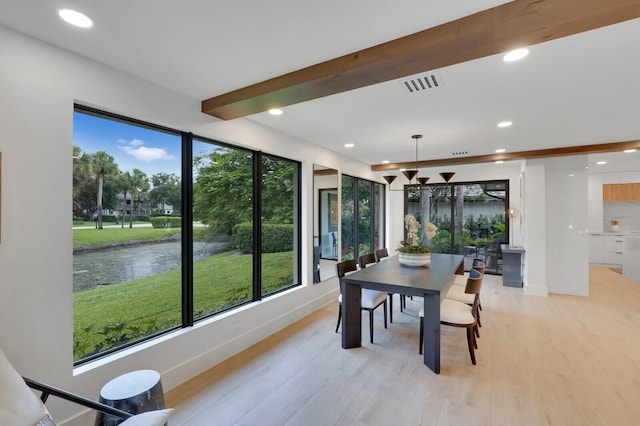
{"points": [[104, 167], [81, 176], [124, 183], [138, 183]]}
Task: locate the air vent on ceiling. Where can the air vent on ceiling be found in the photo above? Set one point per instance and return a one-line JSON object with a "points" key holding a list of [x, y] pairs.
{"points": [[420, 84], [459, 153]]}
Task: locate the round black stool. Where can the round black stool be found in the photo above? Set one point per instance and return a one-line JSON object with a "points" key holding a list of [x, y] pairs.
{"points": [[135, 392]]}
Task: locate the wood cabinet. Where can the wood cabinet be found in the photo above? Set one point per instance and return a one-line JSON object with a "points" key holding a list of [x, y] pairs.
{"points": [[620, 191]]}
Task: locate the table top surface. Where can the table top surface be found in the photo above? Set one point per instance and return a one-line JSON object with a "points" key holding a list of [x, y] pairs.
{"points": [[389, 275], [130, 384]]}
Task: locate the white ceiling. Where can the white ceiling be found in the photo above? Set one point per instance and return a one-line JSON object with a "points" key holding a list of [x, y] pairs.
{"points": [[577, 90]]}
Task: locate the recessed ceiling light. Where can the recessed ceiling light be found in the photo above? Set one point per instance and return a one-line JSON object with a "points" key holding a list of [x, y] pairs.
{"points": [[505, 124], [499, 162], [515, 55], [630, 150], [385, 161], [601, 163], [275, 111], [76, 18], [500, 151], [349, 145], [571, 175]]}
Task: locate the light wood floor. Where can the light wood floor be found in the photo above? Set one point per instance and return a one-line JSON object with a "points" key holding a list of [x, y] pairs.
{"points": [[560, 360]]}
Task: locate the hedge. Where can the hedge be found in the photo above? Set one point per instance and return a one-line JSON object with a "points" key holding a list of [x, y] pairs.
{"points": [[162, 222], [275, 238]]}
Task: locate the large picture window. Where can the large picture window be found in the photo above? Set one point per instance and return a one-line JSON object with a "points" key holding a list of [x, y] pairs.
{"points": [[152, 253], [470, 217]]}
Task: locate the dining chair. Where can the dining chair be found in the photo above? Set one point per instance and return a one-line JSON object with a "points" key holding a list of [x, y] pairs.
{"points": [[369, 299], [381, 254], [366, 259], [478, 264], [457, 292], [458, 314]]}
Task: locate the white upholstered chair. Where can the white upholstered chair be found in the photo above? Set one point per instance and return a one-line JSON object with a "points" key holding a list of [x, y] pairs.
{"points": [[369, 299], [19, 406], [457, 291], [458, 314]]}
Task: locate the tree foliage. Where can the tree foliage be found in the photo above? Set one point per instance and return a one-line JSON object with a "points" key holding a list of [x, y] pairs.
{"points": [[166, 190], [223, 189]]}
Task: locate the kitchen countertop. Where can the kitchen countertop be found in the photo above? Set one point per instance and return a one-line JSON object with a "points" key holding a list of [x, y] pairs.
{"points": [[622, 232]]}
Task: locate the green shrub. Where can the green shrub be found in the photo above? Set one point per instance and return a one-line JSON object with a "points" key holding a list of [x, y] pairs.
{"points": [[276, 238], [163, 222], [242, 236]]}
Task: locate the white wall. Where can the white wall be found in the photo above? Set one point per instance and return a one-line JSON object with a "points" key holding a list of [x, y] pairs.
{"points": [[567, 225], [534, 218], [39, 85]]}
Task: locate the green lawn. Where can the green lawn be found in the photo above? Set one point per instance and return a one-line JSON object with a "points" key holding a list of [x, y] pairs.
{"points": [[94, 238], [108, 316]]}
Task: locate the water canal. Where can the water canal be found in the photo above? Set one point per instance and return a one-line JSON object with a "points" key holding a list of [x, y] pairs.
{"points": [[112, 266]]}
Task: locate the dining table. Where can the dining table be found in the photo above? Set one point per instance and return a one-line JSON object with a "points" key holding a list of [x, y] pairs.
{"points": [[431, 282]]}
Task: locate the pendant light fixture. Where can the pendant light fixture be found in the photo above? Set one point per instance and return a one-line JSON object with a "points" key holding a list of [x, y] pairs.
{"points": [[447, 176], [409, 174]]}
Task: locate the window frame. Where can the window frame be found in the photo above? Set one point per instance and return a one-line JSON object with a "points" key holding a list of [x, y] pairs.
{"points": [[187, 284]]}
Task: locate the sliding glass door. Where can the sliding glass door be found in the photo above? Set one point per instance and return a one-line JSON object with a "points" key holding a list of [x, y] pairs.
{"points": [[470, 216], [362, 230]]}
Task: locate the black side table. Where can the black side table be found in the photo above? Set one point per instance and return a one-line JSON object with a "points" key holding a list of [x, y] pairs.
{"points": [[135, 392]]}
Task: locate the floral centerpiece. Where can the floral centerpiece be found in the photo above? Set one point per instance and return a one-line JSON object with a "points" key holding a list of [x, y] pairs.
{"points": [[412, 251]]}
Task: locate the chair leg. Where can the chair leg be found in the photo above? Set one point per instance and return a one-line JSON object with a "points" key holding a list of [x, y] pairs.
{"points": [[471, 344], [384, 307], [475, 340], [371, 325], [339, 316], [390, 307], [421, 335]]}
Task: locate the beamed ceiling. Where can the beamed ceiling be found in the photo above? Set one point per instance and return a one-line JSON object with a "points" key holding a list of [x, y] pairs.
{"points": [[338, 70]]}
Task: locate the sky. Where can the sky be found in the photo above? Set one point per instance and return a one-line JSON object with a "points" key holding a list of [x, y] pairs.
{"points": [[132, 147]]}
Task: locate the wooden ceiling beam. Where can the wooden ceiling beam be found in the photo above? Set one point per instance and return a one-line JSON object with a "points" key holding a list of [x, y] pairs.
{"points": [[511, 25], [511, 156]]}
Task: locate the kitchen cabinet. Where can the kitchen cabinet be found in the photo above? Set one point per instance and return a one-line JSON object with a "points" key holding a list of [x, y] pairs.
{"points": [[620, 191], [612, 249], [630, 264]]}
